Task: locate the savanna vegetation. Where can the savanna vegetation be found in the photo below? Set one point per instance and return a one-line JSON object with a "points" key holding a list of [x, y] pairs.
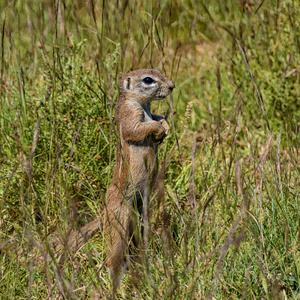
{"points": [[224, 221]]}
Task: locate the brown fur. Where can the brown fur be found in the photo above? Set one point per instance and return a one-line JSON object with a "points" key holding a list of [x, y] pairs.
{"points": [[139, 132]]}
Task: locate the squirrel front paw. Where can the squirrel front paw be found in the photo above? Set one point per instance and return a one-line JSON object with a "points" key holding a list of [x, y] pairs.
{"points": [[159, 131], [162, 130], [164, 123]]}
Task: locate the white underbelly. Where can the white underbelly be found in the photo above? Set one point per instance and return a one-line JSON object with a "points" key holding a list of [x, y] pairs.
{"points": [[147, 117]]}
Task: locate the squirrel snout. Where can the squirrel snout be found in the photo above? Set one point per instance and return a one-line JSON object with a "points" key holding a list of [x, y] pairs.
{"points": [[171, 87]]}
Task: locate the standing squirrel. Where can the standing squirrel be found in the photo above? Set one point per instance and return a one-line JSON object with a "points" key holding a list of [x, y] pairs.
{"points": [[139, 132]]}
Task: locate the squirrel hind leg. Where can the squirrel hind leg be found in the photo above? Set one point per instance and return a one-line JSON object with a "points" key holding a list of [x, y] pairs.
{"points": [[116, 260], [116, 265], [121, 233], [118, 236]]}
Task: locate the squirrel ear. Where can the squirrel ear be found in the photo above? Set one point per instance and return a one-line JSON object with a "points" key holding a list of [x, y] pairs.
{"points": [[127, 83]]}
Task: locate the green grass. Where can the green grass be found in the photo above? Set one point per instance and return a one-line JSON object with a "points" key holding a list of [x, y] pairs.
{"points": [[226, 222]]}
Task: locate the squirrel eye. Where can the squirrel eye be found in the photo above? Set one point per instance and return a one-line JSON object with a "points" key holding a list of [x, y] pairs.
{"points": [[148, 80]]}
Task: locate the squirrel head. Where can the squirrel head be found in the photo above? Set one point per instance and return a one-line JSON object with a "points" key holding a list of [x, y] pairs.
{"points": [[145, 85]]}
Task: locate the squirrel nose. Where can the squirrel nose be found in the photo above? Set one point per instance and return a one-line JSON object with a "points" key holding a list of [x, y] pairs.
{"points": [[171, 87]]}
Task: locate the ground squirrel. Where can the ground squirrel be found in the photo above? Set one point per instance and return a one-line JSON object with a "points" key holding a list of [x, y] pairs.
{"points": [[139, 133]]}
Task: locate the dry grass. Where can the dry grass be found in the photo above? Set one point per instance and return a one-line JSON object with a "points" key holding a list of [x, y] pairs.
{"points": [[225, 222]]}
